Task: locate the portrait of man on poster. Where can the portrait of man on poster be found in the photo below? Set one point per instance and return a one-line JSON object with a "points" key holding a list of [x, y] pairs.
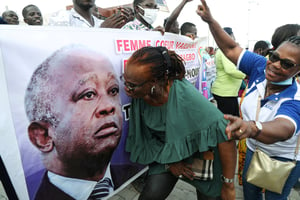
{"points": [[73, 105]]}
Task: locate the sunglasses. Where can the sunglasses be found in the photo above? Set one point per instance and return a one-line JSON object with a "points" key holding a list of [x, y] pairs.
{"points": [[285, 63], [131, 86]]}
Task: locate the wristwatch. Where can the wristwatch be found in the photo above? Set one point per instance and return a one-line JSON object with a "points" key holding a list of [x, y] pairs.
{"points": [[258, 127], [226, 180]]}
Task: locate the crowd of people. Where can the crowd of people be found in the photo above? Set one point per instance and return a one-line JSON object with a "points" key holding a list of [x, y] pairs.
{"points": [[164, 128], [140, 16]]}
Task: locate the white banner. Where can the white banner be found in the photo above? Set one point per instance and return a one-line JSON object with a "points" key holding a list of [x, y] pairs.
{"points": [[23, 49]]}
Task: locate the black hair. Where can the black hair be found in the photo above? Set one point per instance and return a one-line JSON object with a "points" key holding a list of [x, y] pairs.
{"points": [[185, 27], [136, 2], [262, 47], [24, 11], [284, 32], [294, 40], [5, 13], [165, 64], [261, 44]]}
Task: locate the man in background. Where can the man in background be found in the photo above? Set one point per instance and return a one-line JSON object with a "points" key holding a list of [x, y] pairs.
{"points": [[10, 17], [170, 23], [81, 15], [189, 29], [32, 15], [261, 47]]}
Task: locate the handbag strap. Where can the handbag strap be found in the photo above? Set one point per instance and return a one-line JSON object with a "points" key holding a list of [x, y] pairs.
{"points": [[256, 119], [297, 148]]}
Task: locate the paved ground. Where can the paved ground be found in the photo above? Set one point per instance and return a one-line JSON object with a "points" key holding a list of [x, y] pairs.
{"points": [[184, 191]]}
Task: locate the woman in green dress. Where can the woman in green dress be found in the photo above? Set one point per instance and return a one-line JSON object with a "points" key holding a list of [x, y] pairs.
{"points": [[171, 124]]}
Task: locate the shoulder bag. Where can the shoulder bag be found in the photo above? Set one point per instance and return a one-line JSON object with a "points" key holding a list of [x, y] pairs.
{"points": [[269, 173]]}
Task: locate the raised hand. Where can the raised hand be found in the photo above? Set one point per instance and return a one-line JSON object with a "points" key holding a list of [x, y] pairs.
{"points": [[117, 20], [204, 12], [160, 29]]}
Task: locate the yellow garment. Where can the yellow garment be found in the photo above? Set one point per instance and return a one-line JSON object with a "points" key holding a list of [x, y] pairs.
{"points": [[228, 79], [242, 148]]}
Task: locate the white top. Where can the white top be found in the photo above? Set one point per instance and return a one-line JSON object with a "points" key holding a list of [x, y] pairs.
{"points": [[72, 18], [285, 104], [77, 188]]}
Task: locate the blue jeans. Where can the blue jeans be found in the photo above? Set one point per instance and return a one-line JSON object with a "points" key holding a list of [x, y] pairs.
{"points": [[252, 192]]}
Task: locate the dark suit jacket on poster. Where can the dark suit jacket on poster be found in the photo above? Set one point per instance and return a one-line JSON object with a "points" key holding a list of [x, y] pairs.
{"points": [[48, 191]]}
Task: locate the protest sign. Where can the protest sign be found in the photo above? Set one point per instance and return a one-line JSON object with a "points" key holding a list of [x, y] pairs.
{"points": [[23, 49]]}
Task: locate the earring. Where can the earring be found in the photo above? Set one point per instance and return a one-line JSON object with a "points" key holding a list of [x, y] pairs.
{"points": [[152, 89]]}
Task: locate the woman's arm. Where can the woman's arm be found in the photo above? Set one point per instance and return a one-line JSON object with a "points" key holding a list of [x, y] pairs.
{"points": [[228, 46], [174, 15], [279, 129], [228, 154]]}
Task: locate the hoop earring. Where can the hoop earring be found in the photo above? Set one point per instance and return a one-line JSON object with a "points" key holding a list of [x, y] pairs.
{"points": [[152, 89]]}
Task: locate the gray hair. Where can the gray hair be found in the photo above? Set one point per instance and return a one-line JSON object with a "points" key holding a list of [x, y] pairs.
{"points": [[40, 93]]}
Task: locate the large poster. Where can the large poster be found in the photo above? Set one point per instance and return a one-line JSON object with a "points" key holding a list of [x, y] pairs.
{"points": [[26, 92]]}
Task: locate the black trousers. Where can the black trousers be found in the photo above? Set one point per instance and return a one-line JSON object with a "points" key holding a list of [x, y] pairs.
{"points": [[159, 186], [228, 105]]}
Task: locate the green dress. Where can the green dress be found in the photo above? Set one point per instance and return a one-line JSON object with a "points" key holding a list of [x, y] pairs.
{"points": [[188, 123]]}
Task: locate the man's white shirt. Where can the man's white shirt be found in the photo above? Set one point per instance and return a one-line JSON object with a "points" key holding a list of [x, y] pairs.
{"points": [[77, 188]]}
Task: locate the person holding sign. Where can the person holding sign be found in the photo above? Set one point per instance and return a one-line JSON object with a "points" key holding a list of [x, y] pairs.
{"points": [[74, 109], [81, 15], [32, 15], [145, 15], [172, 126]]}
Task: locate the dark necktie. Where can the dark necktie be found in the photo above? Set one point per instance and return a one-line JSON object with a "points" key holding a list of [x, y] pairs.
{"points": [[101, 189]]}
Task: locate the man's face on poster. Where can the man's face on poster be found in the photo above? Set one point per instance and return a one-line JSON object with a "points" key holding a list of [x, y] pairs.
{"points": [[88, 105]]}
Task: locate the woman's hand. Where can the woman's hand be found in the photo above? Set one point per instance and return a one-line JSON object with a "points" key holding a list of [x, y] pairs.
{"points": [[160, 29], [204, 12], [238, 128], [181, 169]]}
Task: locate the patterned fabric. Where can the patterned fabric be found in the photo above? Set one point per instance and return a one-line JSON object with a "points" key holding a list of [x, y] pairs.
{"points": [[136, 25], [242, 149], [72, 18], [203, 169], [101, 189]]}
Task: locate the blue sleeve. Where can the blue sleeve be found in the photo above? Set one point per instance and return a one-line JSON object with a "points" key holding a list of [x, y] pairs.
{"points": [[291, 109], [253, 65]]}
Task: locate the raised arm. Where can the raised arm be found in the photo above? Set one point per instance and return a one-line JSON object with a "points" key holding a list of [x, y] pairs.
{"points": [[228, 46], [174, 15]]}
